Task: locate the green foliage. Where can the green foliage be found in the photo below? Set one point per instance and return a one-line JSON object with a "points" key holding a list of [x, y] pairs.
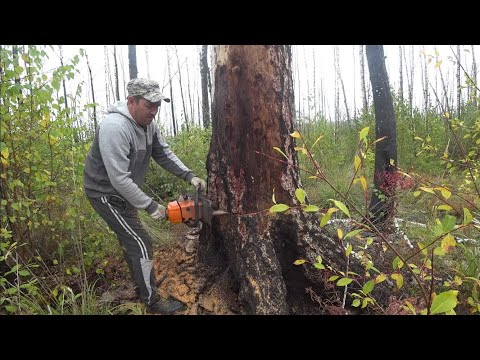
{"points": [[191, 148]]}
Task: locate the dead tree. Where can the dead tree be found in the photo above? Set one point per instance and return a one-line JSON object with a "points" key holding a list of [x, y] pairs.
{"points": [[362, 80], [117, 91], [132, 61], [204, 71], [93, 94], [253, 111], [382, 202]]}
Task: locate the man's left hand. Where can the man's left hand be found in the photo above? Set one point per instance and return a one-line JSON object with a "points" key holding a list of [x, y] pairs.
{"points": [[197, 182]]}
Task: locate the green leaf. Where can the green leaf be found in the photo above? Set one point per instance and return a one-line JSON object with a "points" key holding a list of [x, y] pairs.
{"points": [[24, 272], [311, 208], [344, 281], [10, 308], [416, 193], [279, 208], [444, 302], [349, 250], [300, 195], [353, 233], [341, 206], [333, 278], [368, 286], [397, 263], [319, 266], [356, 303], [325, 219], [448, 223], [281, 152], [364, 132], [398, 278], [467, 216]]}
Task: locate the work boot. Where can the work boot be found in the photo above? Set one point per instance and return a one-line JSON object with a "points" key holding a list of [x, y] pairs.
{"points": [[166, 306]]}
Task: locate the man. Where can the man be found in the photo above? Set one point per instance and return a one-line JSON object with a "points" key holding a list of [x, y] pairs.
{"points": [[115, 170]]}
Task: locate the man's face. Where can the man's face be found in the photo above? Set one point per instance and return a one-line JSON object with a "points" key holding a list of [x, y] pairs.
{"points": [[142, 111]]}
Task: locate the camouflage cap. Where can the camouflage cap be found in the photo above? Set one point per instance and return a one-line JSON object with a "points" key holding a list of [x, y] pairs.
{"points": [[146, 88]]}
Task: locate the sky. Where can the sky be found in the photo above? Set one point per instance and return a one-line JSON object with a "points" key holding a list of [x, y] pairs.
{"points": [[304, 59]]}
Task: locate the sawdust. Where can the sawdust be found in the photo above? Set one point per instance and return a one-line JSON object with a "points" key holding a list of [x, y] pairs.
{"points": [[179, 275]]}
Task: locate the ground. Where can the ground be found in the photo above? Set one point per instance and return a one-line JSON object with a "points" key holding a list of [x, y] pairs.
{"points": [[179, 275]]}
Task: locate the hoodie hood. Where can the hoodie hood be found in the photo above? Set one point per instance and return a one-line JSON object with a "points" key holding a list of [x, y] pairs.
{"points": [[120, 107]]}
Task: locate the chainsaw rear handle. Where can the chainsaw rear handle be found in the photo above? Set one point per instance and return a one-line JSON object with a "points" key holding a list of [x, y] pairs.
{"points": [[194, 223]]}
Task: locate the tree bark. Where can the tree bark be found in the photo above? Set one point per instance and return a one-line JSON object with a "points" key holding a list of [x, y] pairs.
{"points": [[204, 74], [132, 61], [117, 91], [253, 111], [170, 81], [382, 203], [362, 80], [93, 95]]}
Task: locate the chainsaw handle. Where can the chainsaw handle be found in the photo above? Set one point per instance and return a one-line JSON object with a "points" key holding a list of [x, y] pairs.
{"points": [[197, 209]]}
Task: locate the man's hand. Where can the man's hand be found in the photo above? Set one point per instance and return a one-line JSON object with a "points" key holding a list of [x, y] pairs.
{"points": [[159, 213], [197, 182]]}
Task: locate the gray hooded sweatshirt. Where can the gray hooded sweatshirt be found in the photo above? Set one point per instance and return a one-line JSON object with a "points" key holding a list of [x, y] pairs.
{"points": [[120, 154]]}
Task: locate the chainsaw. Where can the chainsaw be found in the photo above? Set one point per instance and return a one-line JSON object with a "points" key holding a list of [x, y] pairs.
{"points": [[191, 209]]}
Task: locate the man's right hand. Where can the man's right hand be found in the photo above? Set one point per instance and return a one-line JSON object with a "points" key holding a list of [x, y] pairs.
{"points": [[159, 213]]}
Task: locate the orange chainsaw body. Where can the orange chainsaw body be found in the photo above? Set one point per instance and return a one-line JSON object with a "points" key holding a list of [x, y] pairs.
{"points": [[181, 211]]}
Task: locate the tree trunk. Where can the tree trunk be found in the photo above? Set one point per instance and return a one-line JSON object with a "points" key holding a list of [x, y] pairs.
{"points": [[117, 91], [400, 89], [132, 61], [93, 95], [459, 84], [170, 81], [474, 78], [382, 202], [204, 74], [181, 88], [253, 111], [362, 80]]}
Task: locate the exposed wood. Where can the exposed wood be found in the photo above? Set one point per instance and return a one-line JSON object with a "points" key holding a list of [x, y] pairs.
{"points": [[253, 111]]}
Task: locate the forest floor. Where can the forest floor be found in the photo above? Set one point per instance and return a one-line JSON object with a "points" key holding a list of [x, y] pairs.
{"points": [[179, 275]]}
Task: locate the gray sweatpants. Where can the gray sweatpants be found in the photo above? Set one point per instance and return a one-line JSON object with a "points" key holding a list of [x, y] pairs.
{"points": [[136, 243]]}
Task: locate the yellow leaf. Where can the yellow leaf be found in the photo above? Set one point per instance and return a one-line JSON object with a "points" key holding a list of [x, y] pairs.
{"points": [[438, 63], [448, 243], [444, 207], [445, 192], [316, 141], [299, 262], [426, 189], [340, 233], [357, 162], [295, 135]]}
